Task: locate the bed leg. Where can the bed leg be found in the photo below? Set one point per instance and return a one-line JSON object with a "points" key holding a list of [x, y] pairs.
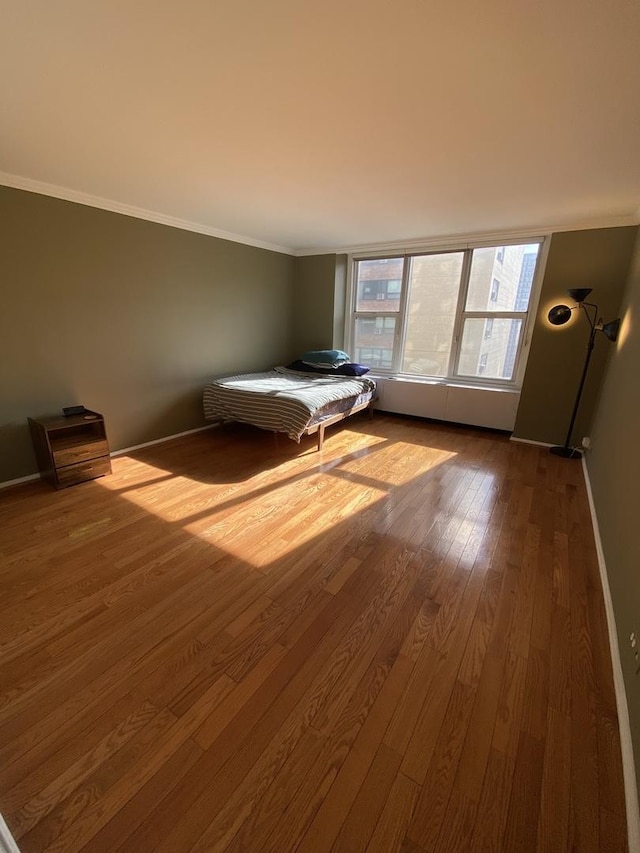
{"points": [[320, 436]]}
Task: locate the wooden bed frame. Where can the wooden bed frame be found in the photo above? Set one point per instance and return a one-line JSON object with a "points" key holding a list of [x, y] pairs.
{"points": [[321, 426]]}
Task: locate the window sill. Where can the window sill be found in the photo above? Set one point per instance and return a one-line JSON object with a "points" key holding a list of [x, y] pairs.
{"points": [[443, 383]]}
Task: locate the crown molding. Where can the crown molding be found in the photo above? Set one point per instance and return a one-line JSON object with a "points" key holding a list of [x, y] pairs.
{"points": [[473, 239], [30, 185], [444, 241]]}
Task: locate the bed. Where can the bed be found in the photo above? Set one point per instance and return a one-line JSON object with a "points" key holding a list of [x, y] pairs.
{"points": [[289, 401]]}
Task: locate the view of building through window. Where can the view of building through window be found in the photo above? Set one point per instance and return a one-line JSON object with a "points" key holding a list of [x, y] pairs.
{"points": [[446, 314], [434, 283]]}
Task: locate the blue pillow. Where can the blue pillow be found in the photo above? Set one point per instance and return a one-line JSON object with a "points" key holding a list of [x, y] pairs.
{"points": [[352, 369], [325, 357], [309, 368]]}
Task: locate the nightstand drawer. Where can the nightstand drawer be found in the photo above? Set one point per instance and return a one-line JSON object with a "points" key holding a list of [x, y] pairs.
{"points": [[82, 452], [81, 471]]}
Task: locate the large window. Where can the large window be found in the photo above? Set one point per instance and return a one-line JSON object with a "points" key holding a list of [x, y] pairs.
{"points": [[458, 314]]}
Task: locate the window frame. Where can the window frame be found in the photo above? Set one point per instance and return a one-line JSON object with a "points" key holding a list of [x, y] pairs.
{"points": [[452, 377]]}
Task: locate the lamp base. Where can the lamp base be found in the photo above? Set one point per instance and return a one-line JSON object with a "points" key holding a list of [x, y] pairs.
{"points": [[566, 452]]}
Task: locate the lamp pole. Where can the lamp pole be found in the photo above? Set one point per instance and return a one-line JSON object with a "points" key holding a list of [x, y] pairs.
{"points": [[558, 316], [566, 450]]}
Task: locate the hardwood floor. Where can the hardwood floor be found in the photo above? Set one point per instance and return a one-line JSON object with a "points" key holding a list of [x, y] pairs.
{"points": [[235, 643]]}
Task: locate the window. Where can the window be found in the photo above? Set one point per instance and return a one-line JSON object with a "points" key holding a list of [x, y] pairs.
{"points": [[454, 315], [380, 289], [384, 325], [376, 357]]}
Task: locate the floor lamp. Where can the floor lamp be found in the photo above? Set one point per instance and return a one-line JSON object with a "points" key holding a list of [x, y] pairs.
{"points": [[558, 316]]}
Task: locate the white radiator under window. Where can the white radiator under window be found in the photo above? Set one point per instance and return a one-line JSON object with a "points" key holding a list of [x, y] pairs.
{"points": [[486, 407]]}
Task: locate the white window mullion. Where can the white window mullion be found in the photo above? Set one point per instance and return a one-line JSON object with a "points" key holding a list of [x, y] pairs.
{"points": [[351, 303], [401, 324], [454, 355]]}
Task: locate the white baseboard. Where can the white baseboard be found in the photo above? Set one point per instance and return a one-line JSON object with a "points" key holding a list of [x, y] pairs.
{"points": [[530, 441], [626, 744], [17, 482], [124, 450], [7, 844]]}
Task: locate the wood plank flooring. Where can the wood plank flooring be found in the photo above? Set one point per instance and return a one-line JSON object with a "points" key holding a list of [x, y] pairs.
{"points": [[235, 643]]}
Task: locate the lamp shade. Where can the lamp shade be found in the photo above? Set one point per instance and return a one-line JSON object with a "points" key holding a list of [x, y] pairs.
{"points": [[611, 329], [579, 294], [559, 315]]}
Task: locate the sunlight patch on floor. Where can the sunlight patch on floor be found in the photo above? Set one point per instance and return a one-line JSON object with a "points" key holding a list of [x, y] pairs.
{"points": [[217, 512], [399, 467], [138, 475], [259, 539]]}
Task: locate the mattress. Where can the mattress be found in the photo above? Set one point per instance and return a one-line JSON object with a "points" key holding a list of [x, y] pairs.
{"points": [[283, 400]]}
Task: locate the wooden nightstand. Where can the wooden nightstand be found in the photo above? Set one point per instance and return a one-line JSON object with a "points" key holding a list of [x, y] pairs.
{"points": [[71, 450]]}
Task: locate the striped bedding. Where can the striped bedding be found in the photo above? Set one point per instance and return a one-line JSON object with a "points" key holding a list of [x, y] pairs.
{"points": [[282, 400]]}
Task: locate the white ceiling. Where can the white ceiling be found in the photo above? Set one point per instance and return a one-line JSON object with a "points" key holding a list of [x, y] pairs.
{"points": [[325, 124]]}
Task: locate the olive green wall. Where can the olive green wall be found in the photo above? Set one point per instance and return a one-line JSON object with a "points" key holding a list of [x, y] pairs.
{"points": [[127, 317], [314, 303], [614, 472], [599, 259], [131, 318], [340, 300]]}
